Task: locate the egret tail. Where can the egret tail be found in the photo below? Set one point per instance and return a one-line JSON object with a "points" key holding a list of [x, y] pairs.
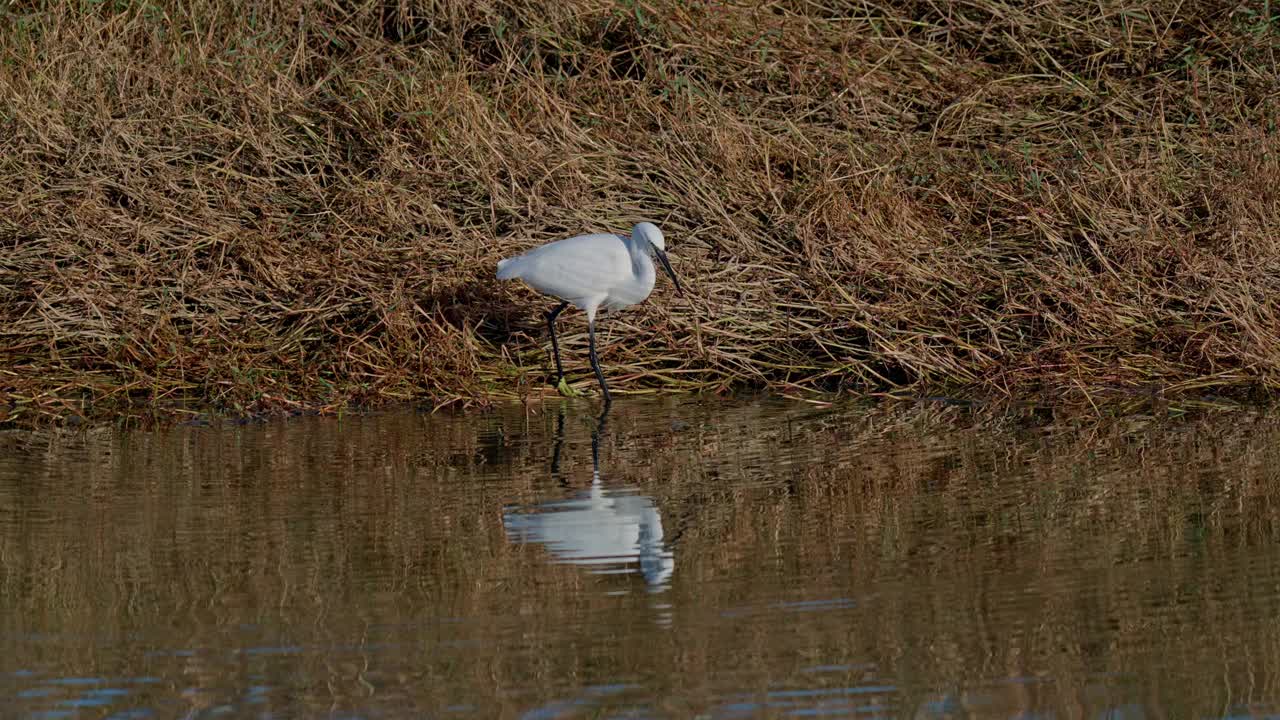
{"points": [[508, 268]]}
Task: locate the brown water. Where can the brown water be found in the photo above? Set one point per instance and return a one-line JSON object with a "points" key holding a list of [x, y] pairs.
{"points": [[731, 559]]}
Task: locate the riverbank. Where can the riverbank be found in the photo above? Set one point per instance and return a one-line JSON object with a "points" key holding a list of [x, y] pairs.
{"points": [[259, 209]]}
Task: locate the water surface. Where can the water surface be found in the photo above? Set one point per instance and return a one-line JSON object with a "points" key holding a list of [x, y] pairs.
{"points": [[699, 558]]}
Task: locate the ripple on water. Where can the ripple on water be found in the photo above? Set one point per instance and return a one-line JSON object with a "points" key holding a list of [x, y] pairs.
{"points": [[699, 557]]}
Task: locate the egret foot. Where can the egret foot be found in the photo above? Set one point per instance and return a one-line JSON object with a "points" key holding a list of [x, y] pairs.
{"points": [[565, 390]]}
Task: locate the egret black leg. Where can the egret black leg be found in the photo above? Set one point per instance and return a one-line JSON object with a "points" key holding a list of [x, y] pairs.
{"points": [[595, 361], [555, 346]]}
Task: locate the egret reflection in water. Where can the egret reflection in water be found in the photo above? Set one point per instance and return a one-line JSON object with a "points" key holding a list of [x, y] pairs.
{"points": [[610, 529]]}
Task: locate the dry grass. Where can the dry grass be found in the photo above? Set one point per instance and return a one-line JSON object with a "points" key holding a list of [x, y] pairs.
{"points": [[274, 206]]}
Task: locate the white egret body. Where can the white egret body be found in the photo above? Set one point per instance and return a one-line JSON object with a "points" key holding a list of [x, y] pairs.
{"points": [[591, 272]]}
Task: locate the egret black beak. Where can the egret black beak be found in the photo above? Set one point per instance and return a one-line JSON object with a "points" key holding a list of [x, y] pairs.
{"points": [[666, 265]]}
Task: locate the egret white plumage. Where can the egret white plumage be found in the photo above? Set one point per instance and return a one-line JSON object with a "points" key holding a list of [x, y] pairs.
{"points": [[590, 272]]}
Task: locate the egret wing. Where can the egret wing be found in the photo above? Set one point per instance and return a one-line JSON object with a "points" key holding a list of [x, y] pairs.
{"points": [[579, 268]]}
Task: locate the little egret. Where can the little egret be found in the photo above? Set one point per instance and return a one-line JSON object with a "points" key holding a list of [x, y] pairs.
{"points": [[601, 270]]}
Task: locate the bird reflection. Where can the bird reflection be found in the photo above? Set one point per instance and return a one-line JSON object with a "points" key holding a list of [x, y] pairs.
{"points": [[610, 529]]}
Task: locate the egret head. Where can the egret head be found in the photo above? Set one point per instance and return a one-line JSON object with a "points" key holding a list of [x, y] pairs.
{"points": [[647, 232]]}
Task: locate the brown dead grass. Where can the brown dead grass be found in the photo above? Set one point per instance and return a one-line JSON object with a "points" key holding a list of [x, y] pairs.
{"points": [[275, 206]]}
